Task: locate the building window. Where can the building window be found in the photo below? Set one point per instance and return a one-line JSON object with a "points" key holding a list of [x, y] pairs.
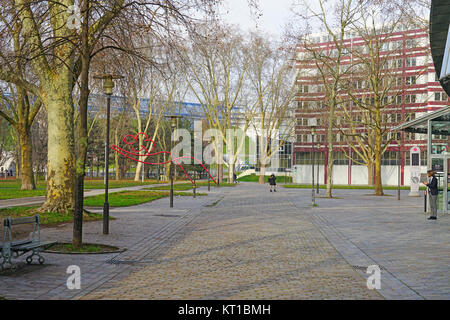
{"points": [[398, 63], [411, 62], [410, 98], [306, 158], [398, 81], [440, 96], [390, 158], [410, 80], [410, 136], [303, 88], [410, 43], [339, 158]]}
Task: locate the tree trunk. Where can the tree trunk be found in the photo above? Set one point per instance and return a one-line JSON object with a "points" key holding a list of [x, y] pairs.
{"points": [[330, 141], [328, 193], [378, 185], [220, 172], [26, 159], [231, 171], [262, 173], [61, 155], [137, 174], [370, 173]]}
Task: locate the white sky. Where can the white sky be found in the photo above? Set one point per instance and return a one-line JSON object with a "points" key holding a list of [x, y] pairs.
{"points": [[275, 14]]}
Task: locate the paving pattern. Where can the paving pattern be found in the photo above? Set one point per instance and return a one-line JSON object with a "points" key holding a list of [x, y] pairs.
{"points": [[247, 243]]}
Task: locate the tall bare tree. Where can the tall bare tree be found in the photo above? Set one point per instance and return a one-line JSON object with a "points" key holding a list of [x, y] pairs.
{"points": [[335, 19], [270, 84]]}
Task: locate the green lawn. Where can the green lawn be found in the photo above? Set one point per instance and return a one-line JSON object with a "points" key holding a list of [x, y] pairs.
{"points": [[10, 189], [188, 186], [117, 199], [46, 218], [308, 186], [131, 198], [85, 248], [255, 178]]}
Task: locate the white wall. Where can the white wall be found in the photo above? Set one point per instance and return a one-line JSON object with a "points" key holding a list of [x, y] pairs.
{"points": [[389, 174]]}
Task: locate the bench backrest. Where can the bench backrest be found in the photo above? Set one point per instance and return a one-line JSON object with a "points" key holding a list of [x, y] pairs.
{"points": [[8, 222]]}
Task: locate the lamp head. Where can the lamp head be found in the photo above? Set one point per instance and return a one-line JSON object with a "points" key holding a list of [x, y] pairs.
{"points": [[108, 85], [108, 82]]}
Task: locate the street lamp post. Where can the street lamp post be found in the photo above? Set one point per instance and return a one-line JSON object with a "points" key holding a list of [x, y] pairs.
{"points": [[173, 125], [313, 131], [317, 190], [399, 168], [108, 86]]}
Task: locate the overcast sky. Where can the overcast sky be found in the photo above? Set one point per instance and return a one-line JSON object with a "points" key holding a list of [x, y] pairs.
{"points": [[274, 14]]}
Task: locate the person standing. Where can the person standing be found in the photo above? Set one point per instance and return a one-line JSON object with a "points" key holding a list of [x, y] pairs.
{"points": [[433, 191], [272, 183]]}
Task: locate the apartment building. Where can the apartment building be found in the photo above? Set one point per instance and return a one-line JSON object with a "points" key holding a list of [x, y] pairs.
{"points": [[415, 92]]}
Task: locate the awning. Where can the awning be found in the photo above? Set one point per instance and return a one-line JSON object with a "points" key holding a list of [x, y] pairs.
{"points": [[440, 118]]}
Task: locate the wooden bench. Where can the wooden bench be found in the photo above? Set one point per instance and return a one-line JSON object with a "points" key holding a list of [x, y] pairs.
{"points": [[14, 249]]}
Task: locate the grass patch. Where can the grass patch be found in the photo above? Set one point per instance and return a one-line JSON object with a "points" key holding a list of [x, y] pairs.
{"points": [[47, 218], [308, 186], [255, 178], [85, 248], [214, 203], [131, 198], [188, 186], [99, 184], [10, 188]]}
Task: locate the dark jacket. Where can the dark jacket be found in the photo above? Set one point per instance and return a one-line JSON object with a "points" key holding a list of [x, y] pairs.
{"points": [[272, 180], [433, 186]]}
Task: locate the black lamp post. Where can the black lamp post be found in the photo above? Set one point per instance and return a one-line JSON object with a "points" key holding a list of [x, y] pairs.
{"points": [[313, 132], [399, 168], [173, 125], [108, 85], [317, 190]]}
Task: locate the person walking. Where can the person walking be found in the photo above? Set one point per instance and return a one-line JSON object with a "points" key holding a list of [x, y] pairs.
{"points": [[272, 183], [433, 191]]}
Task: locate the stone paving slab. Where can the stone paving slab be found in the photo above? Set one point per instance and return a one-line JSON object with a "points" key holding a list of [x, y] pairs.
{"points": [[247, 243], [251, 245], [413, 252], [139, 229]]}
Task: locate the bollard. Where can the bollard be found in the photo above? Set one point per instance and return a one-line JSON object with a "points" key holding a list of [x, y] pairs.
{"points": [[425, 201], [194, 188]]}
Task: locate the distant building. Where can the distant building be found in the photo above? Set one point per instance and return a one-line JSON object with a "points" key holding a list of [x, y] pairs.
{"points": [[7, 165], [422, 94]]}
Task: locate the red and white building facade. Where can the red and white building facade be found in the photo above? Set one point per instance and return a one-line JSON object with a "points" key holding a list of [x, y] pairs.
{"points": [[422, 93]]}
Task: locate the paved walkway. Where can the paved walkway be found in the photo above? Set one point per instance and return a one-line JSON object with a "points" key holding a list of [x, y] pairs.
{"points": [[247, 243]]}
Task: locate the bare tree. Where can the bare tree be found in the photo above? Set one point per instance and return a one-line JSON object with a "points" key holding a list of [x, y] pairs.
{"points": [[374, 87], [335, 19], [218, 61], [270, 77]]}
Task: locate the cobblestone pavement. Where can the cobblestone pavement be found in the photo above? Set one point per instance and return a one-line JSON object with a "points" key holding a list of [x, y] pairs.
{"points": [[247, 243], [140, 229], [251, 245]]}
